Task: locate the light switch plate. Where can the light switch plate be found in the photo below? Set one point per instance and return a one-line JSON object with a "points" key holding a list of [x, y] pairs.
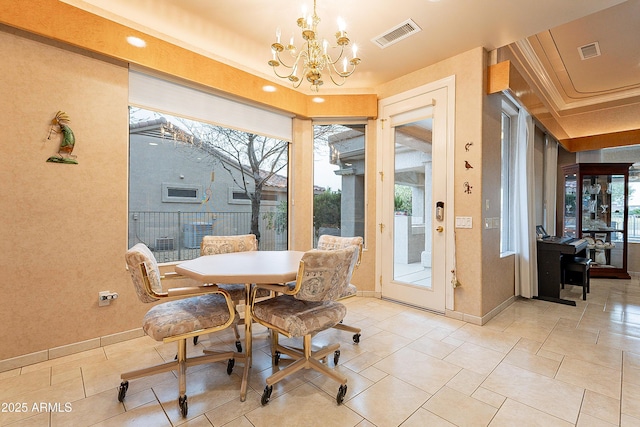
{"points": [[464, 222]]}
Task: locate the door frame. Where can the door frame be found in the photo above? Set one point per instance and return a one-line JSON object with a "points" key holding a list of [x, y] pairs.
{"points": [[447, 83]]}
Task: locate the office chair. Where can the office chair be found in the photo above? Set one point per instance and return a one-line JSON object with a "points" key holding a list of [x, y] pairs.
{"points": [[327, 242], [199, 310], [308, 308], [212, 245]]}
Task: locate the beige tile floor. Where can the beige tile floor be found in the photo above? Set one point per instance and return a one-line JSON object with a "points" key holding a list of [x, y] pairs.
{"points": [[535, 364]]}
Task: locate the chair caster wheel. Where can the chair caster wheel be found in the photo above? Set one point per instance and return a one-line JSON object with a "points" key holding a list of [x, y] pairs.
{"points": [[230, 364], [195, 340], [276, 358], [356, 338], [336, 357], [184, 407], [342, 391], [122, 390], [238, 346], [266, 395]]}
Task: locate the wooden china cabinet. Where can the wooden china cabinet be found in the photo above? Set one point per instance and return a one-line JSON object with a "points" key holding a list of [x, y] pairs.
{"points": [[596, 207]]}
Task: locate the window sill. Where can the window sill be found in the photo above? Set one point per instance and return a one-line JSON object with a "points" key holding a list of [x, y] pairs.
{"points": [[507, 254]]}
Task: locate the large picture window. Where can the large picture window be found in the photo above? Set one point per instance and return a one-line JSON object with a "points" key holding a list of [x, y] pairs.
{"points": [[509, 135], [189, 179], [339, 180]]}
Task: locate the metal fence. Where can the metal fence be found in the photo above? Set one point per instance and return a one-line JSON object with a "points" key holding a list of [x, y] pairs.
{"points": [[176, 236]]}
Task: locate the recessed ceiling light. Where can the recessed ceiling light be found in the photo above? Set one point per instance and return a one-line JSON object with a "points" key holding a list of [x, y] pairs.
{"points": [[136, 41], [153, 143], [269, 88], [318, 100]]}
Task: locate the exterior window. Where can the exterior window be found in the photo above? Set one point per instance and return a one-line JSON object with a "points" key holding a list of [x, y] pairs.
{"points": [[177, 193], [338, 180], [634, 204], [189, 179], [244, 198], [509, 127]]}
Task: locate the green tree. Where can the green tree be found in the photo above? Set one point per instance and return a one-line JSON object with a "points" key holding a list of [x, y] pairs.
{"points": [[277, 220], [402, 199], [326, 209]]}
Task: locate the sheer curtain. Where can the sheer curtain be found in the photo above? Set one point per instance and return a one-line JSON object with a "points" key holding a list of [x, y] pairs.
{"points": [[550, 184], [526, 280]]}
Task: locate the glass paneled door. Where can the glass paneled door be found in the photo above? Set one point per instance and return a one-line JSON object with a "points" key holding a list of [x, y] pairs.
{"points": [[413, 224]]}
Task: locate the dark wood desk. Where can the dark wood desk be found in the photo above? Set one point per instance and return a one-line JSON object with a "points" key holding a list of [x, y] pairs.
{"points": [[253, 267], [550, 252]]}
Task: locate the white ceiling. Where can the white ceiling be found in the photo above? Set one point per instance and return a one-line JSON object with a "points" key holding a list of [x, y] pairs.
{"points": [[240, 33], [587, 96]]}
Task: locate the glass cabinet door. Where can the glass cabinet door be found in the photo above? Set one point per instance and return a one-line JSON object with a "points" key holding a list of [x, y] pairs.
{"points": [[596, 209], [570, 211], [603, 203]]}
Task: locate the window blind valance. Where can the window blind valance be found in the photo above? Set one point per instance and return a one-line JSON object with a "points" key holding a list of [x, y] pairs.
{"points": [[172, 98]]}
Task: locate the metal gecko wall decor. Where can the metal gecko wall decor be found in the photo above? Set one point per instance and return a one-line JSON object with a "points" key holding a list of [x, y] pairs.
{"points": [[67, 142]]}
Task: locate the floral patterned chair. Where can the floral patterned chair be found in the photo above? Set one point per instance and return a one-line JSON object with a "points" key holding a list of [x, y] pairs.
{"points": [[306, 309], [212, 245], [198, 310], [327, 242]]}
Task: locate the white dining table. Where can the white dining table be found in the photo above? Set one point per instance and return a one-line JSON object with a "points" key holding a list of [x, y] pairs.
{"points": [[252, 267]]}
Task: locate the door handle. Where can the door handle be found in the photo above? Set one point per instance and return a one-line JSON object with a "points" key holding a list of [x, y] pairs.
{"points": [[439, 229]]}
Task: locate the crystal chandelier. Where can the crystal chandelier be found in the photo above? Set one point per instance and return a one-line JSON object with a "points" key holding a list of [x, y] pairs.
{"points": [[313, 58]]}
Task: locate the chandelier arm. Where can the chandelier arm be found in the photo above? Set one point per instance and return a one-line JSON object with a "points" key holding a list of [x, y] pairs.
{"points": [[301, 54], [282, 76], [343, 78], [332, 62]]}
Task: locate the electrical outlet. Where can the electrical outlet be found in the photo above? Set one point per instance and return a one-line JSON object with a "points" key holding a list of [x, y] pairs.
{"points": [[496, 222], [105, 297]]}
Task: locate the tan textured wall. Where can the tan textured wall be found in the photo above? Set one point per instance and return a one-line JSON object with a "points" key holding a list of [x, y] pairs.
{"points": [[63, 226], [480, 292], [301, 186], [498, 274], [633, 258]]}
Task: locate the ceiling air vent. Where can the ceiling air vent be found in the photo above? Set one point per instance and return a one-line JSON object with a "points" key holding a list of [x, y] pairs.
{"points": [[397, 33], [590, 50]]}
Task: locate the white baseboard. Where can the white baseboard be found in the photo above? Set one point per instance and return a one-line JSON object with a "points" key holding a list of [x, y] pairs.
{"points": [[480, 320], [65, 350]]}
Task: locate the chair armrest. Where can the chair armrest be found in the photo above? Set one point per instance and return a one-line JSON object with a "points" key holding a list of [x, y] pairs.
{"points": [[173, 275], [281, 288], [192, 291]]}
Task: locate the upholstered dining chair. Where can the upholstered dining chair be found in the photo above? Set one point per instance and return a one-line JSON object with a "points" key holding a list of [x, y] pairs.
{"points": [[197, 310], [212, 245], [310, 307], [328, 243]]}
